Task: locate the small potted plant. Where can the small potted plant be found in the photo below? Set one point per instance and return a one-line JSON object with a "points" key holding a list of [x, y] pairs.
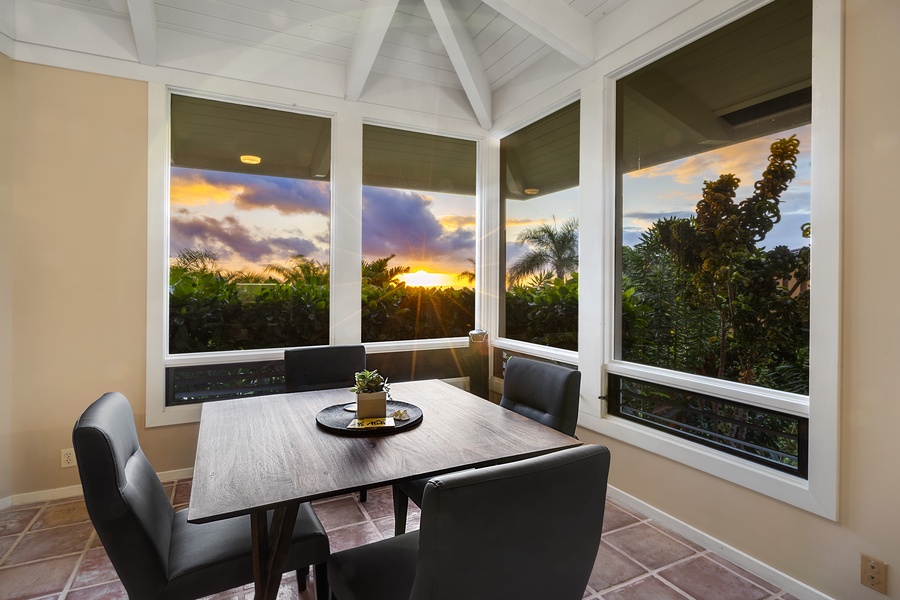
{"points": [[371, 394]]}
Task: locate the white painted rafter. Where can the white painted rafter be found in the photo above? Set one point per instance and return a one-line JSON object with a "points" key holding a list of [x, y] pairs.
{"points": [[555, 23], [374, 25], [143, 23], [452, 30]]}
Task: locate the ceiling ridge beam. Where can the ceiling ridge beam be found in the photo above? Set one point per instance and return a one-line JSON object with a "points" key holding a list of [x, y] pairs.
{"points": [[452, 30], [372, 28], [144, 24], [555, 23]]}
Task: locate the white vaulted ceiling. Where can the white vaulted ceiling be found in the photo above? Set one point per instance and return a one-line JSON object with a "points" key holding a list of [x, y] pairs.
{"points": [[336, 47]]}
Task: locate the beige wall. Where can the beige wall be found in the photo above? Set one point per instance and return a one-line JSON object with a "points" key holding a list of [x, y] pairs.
{"points": [[818, 552], [6, 276], [79, 249]]}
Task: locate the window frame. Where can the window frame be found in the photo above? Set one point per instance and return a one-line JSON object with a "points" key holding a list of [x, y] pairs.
{"points": [[819, 493], [345, 247], [503, 343]]}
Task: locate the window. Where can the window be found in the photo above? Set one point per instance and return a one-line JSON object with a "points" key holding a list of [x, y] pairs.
{"points": [[418, 235], [716, 268], [249, 214], [719, 334], [539, 249]]}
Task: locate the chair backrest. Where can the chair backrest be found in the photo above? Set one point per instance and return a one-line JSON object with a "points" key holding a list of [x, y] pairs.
{"points": [[544, 392], [125, 499], [322, 367], [528, 529]]}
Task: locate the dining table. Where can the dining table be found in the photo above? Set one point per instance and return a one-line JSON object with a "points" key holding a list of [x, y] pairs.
{"points": [[271, 453]]}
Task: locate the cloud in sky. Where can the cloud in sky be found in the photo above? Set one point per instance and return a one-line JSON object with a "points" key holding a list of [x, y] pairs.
{"points": [[743, 160], [401, 222], [249, 192], [231, 240], [457, 221]]}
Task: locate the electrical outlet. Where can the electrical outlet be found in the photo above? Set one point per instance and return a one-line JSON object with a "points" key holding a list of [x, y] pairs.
{"points": [[873, 573], [67, 458]]}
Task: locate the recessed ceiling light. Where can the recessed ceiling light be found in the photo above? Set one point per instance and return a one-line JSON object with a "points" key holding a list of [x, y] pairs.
{"points": [[249, 159], [531, 191]]}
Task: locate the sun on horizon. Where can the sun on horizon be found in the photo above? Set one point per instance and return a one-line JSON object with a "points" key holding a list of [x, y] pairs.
{"points": [[422, 278]]}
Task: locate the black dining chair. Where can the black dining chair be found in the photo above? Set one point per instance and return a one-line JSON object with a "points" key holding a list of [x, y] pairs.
{"points": [[154, 550], [544, 392], [527, 529], [323, 368]]}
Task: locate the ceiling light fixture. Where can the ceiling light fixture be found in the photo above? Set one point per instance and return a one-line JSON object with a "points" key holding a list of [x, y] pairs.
{"points": [[531, 191], [249, 159]]}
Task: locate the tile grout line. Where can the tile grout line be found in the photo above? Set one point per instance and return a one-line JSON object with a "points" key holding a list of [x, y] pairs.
{"points": [[651, 573], [78, 563], [21, 535]]}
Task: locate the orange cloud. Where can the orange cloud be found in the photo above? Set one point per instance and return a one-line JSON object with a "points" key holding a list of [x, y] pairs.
{"points": [[745, 160], [457, 221], [194, 190]]}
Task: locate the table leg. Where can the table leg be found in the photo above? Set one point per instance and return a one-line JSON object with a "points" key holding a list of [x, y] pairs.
{"points": [[271, 542]]}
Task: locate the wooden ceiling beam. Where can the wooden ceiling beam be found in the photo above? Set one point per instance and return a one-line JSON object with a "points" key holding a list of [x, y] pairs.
{"points": [[373, 26], [555, 23], [143, 24], [464, 57]]}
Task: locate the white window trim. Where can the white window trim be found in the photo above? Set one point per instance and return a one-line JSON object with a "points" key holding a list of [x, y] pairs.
{"points": [[504, 343], [819, 493], [346, 247]]}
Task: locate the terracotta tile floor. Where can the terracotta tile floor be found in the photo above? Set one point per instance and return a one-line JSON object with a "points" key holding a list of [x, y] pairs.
{"points": [[50, 551]]}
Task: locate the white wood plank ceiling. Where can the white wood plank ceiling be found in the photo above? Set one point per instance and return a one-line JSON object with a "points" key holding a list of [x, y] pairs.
{"points": [[470, 45]]}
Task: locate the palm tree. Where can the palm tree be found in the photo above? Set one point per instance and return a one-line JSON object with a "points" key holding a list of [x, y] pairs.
{"points": [[469, 276], [549, 247], [376, 272], [299, 270]]}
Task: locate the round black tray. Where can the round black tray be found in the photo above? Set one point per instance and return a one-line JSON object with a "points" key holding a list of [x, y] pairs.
{"points": [[335, 419]]}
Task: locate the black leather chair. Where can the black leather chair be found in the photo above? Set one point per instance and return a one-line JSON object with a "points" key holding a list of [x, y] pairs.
{"points": [[528, 529], [155, 551], [322, 367], [541, 391]]}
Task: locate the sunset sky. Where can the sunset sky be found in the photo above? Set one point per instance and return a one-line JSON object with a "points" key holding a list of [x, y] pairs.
{"points": [[673, 189], [251, 221]]}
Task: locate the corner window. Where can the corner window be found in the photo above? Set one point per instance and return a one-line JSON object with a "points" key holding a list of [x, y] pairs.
{"points": [[713, 187], [539, 236], [767, 83], [418, 235]]}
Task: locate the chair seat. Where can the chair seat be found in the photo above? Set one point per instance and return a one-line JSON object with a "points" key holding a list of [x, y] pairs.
{"points": [[383, 570], [221, 551]]}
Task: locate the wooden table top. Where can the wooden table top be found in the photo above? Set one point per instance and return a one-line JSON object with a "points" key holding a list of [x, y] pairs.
{"points": [[267, 451]]}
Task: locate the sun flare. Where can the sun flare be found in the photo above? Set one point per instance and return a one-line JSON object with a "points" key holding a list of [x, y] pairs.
{"points": [[423, 278]]}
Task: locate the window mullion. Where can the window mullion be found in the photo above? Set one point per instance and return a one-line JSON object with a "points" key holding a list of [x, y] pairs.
{"points": [[346, 230]]}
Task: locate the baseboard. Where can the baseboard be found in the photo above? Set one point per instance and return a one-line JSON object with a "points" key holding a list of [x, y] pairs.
{"points": [[741, 559], [73, 491]]}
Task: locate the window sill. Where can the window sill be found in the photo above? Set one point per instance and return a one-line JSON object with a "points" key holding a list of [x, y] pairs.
{"points": [[803, 494]]}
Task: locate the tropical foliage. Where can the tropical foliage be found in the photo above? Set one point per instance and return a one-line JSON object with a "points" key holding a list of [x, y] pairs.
{"points": [[550, 250], [700, 295]]}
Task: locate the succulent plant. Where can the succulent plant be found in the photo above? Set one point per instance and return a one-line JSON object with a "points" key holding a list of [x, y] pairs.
{"points": [[368, 382]]}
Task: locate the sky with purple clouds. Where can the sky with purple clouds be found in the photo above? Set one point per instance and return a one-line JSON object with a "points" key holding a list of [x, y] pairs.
{"points": [[250, 221]]}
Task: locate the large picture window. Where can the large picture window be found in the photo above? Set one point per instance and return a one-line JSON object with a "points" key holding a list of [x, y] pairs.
{"points": [[418, 235], [713, 189], [249, 215]]}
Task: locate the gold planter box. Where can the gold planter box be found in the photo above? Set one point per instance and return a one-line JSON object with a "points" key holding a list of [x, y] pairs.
{"points": [[371, 405]]}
